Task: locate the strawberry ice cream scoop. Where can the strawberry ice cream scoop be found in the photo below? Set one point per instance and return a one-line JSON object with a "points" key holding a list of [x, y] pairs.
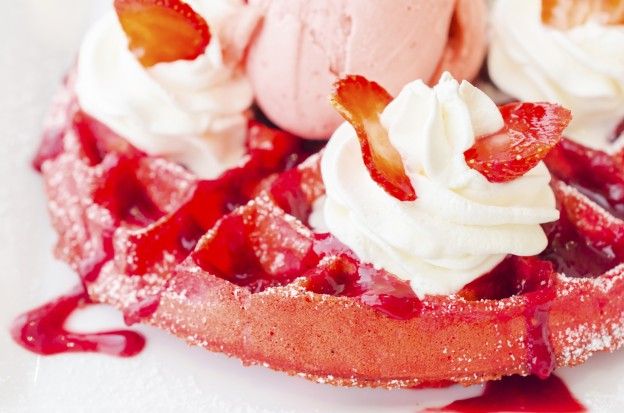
{"points": [[302, 47]]}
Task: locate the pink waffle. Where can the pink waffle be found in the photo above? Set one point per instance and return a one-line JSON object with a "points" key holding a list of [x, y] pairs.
{"points": [[231, 265]]}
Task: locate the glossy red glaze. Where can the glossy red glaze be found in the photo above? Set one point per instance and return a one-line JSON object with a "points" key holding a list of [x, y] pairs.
{"points": [[529, 133], [540, 353], [257, 246], [179, 232], [596, 174], [42, 331], [256, 250], [519, 394], [571, 252], [141, 309], [340, 273], [586, 241], [243, 249], [288, 194], [534, 279]]}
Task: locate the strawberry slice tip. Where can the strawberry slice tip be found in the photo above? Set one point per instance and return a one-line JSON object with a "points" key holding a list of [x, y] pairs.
{"points": [[361, 102], [531, 130], [162, 31]]}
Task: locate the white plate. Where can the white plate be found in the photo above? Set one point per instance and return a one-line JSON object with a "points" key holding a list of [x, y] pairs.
{"points": [[39, 39]]}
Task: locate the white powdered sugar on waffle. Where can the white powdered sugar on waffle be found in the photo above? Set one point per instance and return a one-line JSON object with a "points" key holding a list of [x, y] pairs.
{"points": [[289, 328]]}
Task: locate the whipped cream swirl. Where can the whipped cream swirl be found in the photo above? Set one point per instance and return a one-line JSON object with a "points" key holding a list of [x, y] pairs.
{"points": [[192, 112], [581, 68], [461, 226]]}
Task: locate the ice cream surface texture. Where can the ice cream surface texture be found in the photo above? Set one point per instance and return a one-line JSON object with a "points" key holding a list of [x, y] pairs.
{"points": [[461, 225], [303, 46], [193, 112], [581, 68]]}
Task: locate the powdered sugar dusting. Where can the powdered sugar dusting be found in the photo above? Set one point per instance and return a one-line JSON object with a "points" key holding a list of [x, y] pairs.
{"points": [[211, 312]]}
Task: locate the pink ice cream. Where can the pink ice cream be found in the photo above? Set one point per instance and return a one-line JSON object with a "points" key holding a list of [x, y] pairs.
{"points": [[303, 46]]}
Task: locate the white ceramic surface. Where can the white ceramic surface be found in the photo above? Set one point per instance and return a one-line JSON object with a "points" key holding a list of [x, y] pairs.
{"points": [[39, 40]]}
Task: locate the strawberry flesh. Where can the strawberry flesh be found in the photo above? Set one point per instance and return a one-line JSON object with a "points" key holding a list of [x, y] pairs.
{"points": [[566, 14], [361, 103], [598, 175], [161, 31], [514, 275], [531, 130]]}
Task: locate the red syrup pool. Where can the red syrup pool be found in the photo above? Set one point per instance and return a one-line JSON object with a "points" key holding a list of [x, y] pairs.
{"points": [[519, 394], [534, 280], [42, 331], [346, 276]]}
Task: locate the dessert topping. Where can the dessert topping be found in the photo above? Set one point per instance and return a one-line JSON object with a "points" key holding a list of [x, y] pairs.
{"points": [[161, 31], [531, 130], [361, 103], [580, 68], [492, 206], [565, 14]]}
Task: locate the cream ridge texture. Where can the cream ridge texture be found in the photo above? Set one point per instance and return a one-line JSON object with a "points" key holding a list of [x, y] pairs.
{"points": [[461, 225], [581, 68], [192, 112]]}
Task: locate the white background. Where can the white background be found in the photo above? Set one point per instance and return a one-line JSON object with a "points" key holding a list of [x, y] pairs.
{"points": [[38, 41]]}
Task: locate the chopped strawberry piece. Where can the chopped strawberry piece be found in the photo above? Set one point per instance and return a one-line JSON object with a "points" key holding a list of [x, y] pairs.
{"points": [[598, 175], [514, 275], [98, 140], [586, 241], [600, 230], [161, 31], [531, 130], [276, 149], [565, 14], [256, 247], [340, 273], [361, 102]]}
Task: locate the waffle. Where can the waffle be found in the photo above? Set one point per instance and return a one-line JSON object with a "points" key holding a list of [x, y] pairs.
{"points": [[232, 266]]}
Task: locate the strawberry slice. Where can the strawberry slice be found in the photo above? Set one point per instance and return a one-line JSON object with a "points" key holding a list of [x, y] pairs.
{"points": [[361, 102], [566, 14], [161, 31], [531, 130]]}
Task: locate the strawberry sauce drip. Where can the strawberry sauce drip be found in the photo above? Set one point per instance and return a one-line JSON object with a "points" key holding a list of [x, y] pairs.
{"points": [[42, 331], [534, 280], [269, 151], [572, 254], [237, 252], [155, 240], [288, 194], [519, 394], [599, 178], [344, 275], [540, 353], [141, 310], [256, 250], [596, 174]]}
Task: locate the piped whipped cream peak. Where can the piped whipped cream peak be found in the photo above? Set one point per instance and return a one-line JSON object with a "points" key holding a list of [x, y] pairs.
{"points": [[581, 68], [191, 111], [461, 225]]}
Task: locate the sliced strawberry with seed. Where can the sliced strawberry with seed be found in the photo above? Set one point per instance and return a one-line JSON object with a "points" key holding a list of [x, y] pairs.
{"points": [[361, 103], [161, 31], [531, 130]]}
